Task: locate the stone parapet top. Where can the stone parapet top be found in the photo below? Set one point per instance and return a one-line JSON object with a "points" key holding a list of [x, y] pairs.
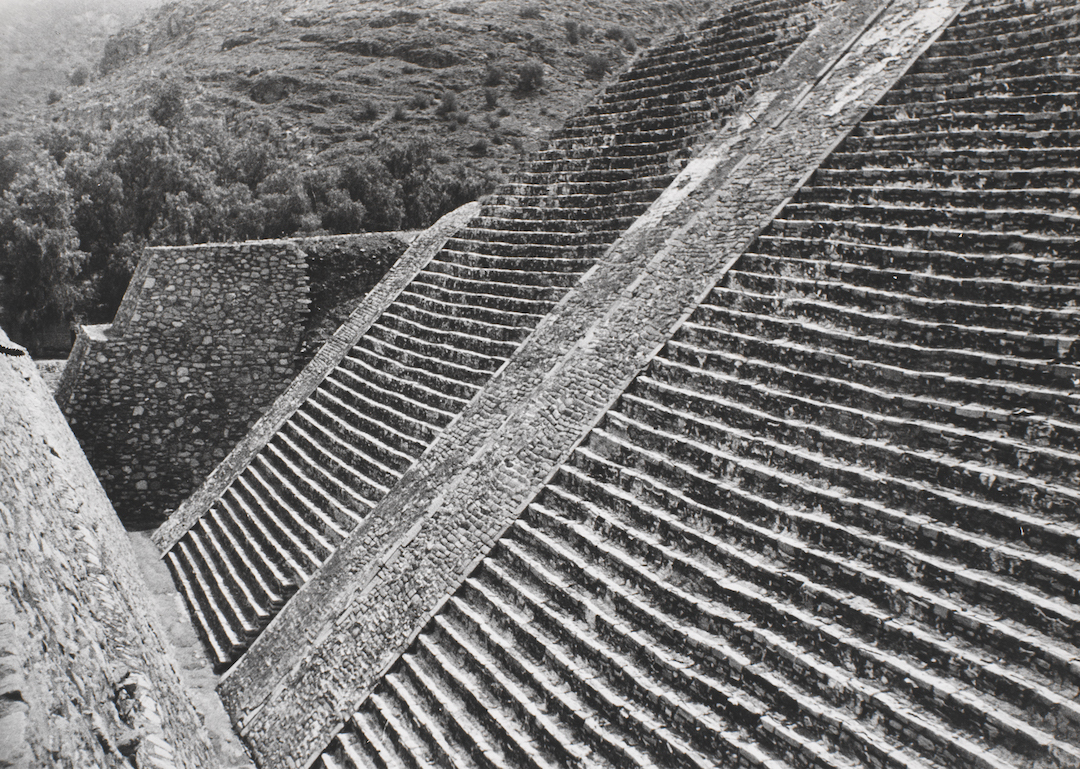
{"points": [[320, 658]]}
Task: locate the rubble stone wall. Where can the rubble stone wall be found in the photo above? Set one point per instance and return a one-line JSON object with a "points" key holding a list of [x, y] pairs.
{"points": [[84, 676], [204, 340]]}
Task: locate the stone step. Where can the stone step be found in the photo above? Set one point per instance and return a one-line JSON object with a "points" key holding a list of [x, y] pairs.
{"points": [[785, 723], [277, 495], [915, 89], [371, 747], [1049, 202], [309, 490], [227, 604], [221, 650], [626, 694], [389, 375], [1049, 276], [496, 277], [247, 562], [999, 246], [495, 317], [653, 450], [449, 291], [404, 365], [545, 215], [1035, 124], [1048, 372], [459, 381], [521, 261], [232, 515], [939, 309], [327, 475], [889, 321], [364, 462], [428, 327], [959, 136], [1022, 41], [990, 11], [447, 361], [1001, 432], [989, 179], [387, 405], [250, 496], [967, 160], [1053, 224], [621, 541]]}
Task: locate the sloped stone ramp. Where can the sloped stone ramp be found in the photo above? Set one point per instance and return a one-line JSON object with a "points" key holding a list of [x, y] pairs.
{"points": [[835, 522]]}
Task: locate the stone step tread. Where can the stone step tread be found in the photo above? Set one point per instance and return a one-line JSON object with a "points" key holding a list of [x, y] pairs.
{"points": [[308, 536], [231, 509], [946, 652], [221, 656], [432, 330], [899, 707], [375, 353], [465, 381], [372, 450], [320, 512], [986, 510], [507, 318], [440, 355], [806, 707], [245, 617], [807, 286], [418, 714], [383, 391], [283, 538], [481, 301], [1001, 342], [350, 516], [545, 676], [376, 738], [405, 381], [226, 620], [211, 524], [804, 209]]}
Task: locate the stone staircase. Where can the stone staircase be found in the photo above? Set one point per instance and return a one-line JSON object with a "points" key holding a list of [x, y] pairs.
{"points": [[462, 317], [835, 521]]}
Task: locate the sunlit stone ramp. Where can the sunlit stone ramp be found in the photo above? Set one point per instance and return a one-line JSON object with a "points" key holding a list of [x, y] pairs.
{"points": [[447, 317], [835, 521], [316, 664]]}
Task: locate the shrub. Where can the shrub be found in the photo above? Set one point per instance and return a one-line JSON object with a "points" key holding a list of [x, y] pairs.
{"points": [[585, 31], [461, 117], [399, 113], [419, 101], [447, 105], [479, 148], [573, 32], [596, 66], [530, 77], [491, 98], [367, 110], [494, 76], [530, 11], [79, 76], [503, 112], [53, 97], [169, 106]]}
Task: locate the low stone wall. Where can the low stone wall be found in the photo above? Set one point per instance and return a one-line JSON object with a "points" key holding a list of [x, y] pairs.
{"points": [[205, 339], [84, 676], [328, 647]]}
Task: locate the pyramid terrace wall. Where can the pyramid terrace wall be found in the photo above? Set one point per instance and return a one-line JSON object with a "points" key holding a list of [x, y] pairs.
{"points": [[204, 340], [331, 643], [85, 680]]}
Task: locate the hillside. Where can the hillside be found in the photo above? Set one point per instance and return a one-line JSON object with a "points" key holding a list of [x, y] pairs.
{"points": [[44, 42], [337, 76]]}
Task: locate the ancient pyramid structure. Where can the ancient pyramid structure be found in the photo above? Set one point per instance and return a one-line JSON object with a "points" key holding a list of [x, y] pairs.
{"points": [[740, 430]]}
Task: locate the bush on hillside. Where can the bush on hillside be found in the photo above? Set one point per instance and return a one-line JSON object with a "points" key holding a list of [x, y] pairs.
{"points": [[530, 77]]}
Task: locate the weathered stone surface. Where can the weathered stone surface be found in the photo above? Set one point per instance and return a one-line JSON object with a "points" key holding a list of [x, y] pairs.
{"points": [[340, 632], [84, 677]]}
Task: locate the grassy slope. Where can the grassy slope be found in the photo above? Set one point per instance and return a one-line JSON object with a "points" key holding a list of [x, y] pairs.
{"points": [[311, 65]]}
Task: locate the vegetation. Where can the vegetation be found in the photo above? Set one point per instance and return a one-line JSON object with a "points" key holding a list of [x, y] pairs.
{"points": [[78, 206], [596, 66], [530, 77]]}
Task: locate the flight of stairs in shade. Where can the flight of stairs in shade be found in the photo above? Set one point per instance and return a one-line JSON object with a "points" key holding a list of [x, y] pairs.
{"points": [[836, 521], [462, 317]]}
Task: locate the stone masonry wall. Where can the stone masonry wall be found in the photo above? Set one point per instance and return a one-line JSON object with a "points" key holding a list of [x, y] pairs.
{"points": [[204, 340], [84, 677], [320, 657]]}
